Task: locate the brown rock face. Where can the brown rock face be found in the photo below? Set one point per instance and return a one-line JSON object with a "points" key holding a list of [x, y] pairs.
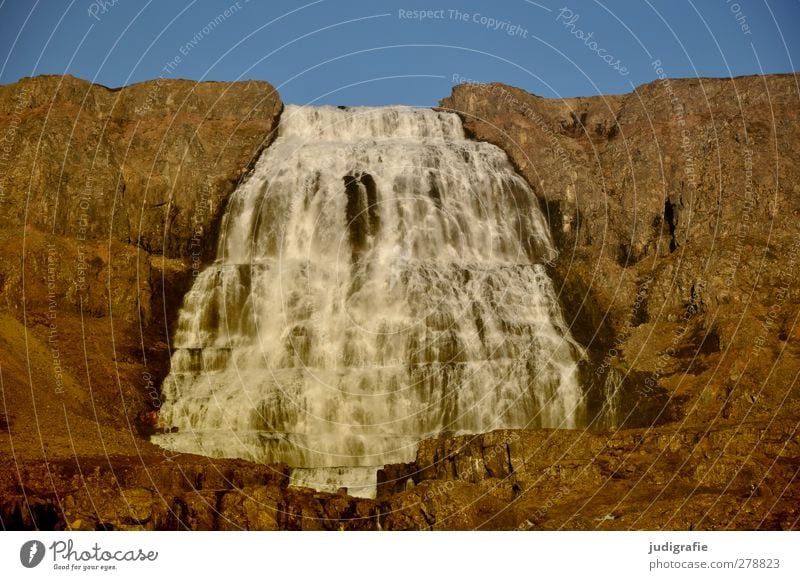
{"points": [[667, 478], [161, 491], [149, 165], [675, 209], [110, 199]]}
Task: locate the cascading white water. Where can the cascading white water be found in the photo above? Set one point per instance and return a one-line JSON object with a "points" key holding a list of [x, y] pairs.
{"points": [[379, 280]]}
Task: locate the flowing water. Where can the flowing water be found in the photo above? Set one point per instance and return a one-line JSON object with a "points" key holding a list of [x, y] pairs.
{"points": [[379, 280]]}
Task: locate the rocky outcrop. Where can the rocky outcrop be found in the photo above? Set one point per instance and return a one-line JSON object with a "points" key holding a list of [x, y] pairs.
{"points": [[149, 165], [684, 478], [162, 491], [675, 212]]}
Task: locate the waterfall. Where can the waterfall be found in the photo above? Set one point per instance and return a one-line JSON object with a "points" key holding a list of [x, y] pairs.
{"points": [[379, 279], [612, 391]]}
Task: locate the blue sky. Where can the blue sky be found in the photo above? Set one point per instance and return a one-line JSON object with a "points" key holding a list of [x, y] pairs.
{"points": [[382, 52]]}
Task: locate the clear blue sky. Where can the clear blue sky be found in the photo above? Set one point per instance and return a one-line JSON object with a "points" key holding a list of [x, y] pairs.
{"points": [[369, 52]]}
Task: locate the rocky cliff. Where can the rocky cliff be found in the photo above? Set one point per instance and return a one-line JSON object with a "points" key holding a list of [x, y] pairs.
{"points": [[675, 209], [110, 200]]}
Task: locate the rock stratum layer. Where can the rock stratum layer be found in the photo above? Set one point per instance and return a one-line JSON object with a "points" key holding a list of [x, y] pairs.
{"points": [[675, 211]]}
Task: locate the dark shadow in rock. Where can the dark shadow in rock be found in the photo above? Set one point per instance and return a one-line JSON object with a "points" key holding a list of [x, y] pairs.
{"points": [[700, 341], [27, 514]]}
